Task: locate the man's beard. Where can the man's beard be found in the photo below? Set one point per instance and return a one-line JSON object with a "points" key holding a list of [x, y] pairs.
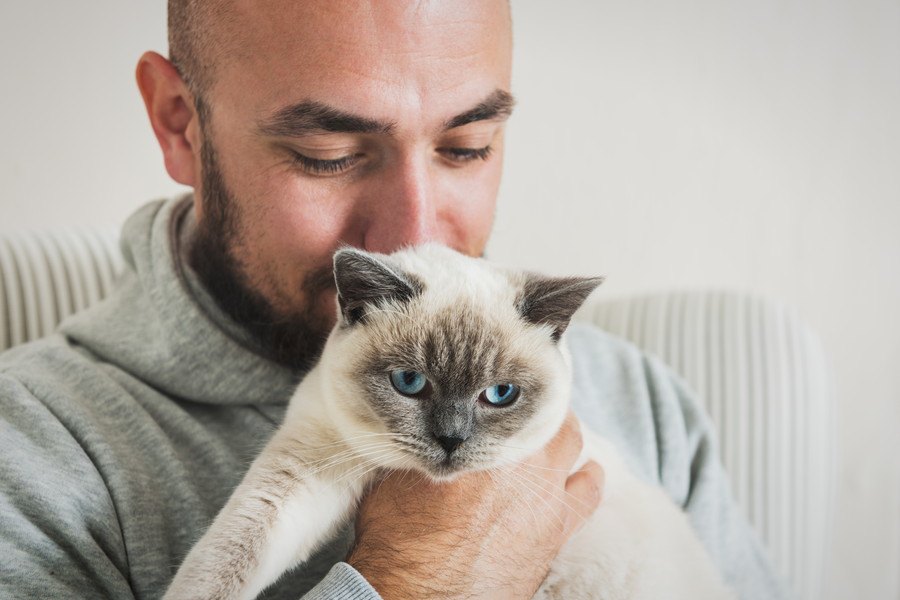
{"points": [[294, 341]]}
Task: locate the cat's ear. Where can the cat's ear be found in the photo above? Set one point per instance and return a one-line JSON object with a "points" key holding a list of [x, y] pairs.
{"points": [[553, 300], [364, 280]]}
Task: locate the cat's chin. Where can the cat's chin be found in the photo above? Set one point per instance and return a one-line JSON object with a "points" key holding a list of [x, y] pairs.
{"points": [[445, 473], [443, 477], [449, 469]]}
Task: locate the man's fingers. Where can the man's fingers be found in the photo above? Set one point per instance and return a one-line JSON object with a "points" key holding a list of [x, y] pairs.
{"points": [[586, 487]]}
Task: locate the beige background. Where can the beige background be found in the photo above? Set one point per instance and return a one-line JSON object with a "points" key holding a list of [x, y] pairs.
{"points": [[746, 145]]}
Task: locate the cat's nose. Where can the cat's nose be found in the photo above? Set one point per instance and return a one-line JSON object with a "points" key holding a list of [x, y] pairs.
{"points": [[449, 443]]}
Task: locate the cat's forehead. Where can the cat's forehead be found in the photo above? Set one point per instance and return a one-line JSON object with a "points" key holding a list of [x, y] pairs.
{"points": [[446, 274], [461, 346], [463, 327]]}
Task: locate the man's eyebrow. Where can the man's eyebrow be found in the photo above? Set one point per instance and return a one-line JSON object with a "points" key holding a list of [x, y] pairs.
{"points": [[309, 117], [497, 106]]}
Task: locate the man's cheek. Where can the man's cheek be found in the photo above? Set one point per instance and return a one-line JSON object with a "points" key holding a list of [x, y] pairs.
{"points": [[327, 309], [468, 230]]}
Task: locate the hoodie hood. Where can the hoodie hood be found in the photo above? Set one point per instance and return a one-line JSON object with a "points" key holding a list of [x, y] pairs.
{"points": [[162, 327]]}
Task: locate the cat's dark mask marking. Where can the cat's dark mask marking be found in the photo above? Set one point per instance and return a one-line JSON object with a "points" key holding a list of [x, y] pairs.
{"points": [[461, 353], [553, 300], [365, 280]]}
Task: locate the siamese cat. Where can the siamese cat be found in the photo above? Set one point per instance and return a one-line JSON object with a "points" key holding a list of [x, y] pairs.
{"points": [[442, 364]]}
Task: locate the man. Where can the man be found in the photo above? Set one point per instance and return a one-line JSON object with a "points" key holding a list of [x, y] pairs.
{"points": [[303, 126]]}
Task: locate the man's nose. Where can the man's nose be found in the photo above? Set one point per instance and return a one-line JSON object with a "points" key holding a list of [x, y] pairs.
{"points": [[402, 207]]}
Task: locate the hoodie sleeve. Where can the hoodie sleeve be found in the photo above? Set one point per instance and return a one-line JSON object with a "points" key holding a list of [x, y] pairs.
{"points": [[59, 534], [691, 472], [343, 582]]}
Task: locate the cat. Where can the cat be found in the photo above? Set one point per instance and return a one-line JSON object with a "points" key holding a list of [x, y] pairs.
{"points": [[464, 362]]}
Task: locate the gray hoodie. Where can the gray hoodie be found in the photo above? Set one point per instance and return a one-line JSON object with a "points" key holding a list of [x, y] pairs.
{"points": [[123, 434]]}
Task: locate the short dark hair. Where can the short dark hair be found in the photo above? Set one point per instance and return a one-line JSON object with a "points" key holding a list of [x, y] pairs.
{"points": [[195, 40]]}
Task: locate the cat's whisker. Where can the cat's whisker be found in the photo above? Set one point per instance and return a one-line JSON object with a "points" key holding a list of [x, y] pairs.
{"points": [[358, 469], [530, 485], [348, 453], [523, 462], [369, 470], [537, 478], [336, 458], [407, 461], [364, 468], [510, 481], [405, 473], [539, 481], [422, 477], [346, 456], [542, 468], [408, 472], [374, 452], [529, 466], [359, 446], [418, 476], [374, 457], [345, 441], [511, 447], [491, 473]]}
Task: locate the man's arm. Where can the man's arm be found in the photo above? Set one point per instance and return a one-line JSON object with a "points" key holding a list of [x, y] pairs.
{"points": [[59, 534]]}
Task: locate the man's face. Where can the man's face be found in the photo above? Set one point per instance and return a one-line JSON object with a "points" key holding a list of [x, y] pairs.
{"points": [[378, 125]]}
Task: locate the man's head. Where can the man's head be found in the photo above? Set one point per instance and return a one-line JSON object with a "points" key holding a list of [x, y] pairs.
{"points": [[305, 126]]}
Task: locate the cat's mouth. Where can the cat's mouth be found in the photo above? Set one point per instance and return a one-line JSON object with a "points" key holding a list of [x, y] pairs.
{"points": [[446, 470], [443, 466]]}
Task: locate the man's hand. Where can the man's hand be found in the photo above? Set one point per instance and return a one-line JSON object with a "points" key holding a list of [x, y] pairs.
{"points": [[483, 535]]}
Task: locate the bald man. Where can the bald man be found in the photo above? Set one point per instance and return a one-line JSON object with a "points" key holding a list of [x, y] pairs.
{"points": [[303, 126]]}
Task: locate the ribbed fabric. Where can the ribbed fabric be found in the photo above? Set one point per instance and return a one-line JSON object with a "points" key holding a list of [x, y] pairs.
{"points": [[345, 578], [759, 372], [46, 276], [762, 377]]}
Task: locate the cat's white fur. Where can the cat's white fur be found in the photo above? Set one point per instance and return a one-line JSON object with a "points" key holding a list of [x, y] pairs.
{"points": [[307, 481]]}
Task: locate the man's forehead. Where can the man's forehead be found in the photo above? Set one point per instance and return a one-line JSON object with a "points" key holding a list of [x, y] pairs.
{"points": [[360, 23], [243, 28], [371, 59]]}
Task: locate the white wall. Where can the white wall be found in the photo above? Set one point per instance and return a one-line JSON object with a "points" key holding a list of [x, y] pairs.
{"points": [[749, 145], [75, 144]]}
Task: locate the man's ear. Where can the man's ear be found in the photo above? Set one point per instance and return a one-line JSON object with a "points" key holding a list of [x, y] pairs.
{"points": [[170, 106]]}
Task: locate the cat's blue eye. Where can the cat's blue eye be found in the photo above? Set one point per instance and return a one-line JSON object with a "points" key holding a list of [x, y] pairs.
{"points": [[408, 383], [500, 395]]}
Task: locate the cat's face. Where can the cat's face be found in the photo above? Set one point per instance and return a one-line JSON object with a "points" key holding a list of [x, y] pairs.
{"points": [[459, 360]]}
